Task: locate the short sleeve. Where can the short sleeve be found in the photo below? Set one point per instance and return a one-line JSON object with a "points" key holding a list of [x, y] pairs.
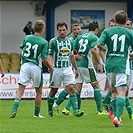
{"points": [[45, 51]]}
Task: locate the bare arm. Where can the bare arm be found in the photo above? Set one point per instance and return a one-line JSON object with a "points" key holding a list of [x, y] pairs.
{"points": [[73, 61], [102, 55], [78, 57], [95, 55], [101, 47], [48, 64]]}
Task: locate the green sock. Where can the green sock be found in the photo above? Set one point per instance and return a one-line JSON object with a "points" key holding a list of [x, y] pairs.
{"points": [[128, 106], [68, 105], [107, 98], [50, 101], [120, 103], [61, 97], [74, 102], [37, 110], [98, 99], [16, 104], [113, 104], [79, 99]]}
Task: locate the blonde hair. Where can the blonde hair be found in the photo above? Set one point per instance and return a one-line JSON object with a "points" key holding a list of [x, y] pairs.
{"points": [[39, 25]]}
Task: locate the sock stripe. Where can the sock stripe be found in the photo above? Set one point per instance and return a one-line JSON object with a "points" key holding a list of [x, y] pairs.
{"points": [[96, 89], [50, 97]]}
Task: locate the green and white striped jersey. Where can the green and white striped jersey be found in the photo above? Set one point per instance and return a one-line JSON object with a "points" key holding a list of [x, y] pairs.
{"points": [[118, 40], [83, 43], [131, 61], [34, 48], [61, 51], [72, 38]]}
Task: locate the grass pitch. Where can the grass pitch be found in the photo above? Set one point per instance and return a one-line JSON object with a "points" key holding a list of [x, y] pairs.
{"points": [[89, 123]]}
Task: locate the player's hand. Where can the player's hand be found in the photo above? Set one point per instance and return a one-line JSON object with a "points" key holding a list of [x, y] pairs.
{"points": [[76, 74], [2, 74], [51, 69], [100, 67], [78, 57], [131, 54]]}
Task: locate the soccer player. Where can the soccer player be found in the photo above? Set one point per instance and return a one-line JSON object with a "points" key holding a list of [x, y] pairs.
{"points": [[128, 106], [85, 45], [62, 57], [128, 23], [107, 99], [76, 30], [34, 52], [1, 69], [118, 40]]}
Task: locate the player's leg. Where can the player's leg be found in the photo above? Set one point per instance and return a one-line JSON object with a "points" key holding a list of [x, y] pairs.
{"points": [[78, 93], [97, 92], [37, 78], [121, 86], [97, 97], [50, 100], [69, 83], [68, 105], [17, 100], [55, 82], [38, 101], [78, 88], [23, 81], [127, 100], [74, 100], [128, 107], [106, 101]]}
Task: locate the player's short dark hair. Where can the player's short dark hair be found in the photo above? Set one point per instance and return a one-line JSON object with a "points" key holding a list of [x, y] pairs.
{"points": [[75, 25], [60, 24], [112, 20], [120, 17], [93, 25], [129, 19]]}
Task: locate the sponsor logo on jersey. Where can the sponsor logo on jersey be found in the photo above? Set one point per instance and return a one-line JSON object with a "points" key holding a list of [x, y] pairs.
{"points": [[64, 51]]}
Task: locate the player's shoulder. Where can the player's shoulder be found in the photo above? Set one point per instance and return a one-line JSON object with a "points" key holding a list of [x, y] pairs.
{"points": [[71, 38], [53, 39]]}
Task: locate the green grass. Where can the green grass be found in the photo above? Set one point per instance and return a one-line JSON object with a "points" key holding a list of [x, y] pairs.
{"points": [[89, 123]]}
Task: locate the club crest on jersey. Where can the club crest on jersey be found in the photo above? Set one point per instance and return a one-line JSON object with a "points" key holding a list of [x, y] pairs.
{"points": [[64, 51]]}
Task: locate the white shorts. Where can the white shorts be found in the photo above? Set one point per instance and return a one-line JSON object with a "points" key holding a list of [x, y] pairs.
{"points": [[60, 75], [118, 80], [29, 71], [87, 75]]}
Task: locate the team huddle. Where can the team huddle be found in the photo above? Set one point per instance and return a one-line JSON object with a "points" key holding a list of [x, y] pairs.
{"points": [[69, 61]]}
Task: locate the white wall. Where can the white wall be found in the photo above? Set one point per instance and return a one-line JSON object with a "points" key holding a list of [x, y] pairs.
{"points": [[14, 16], [63, 13]]}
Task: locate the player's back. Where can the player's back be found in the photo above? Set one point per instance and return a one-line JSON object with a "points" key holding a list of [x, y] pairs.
{"points": [[83, 44], [118, 40], [32, 49]]}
